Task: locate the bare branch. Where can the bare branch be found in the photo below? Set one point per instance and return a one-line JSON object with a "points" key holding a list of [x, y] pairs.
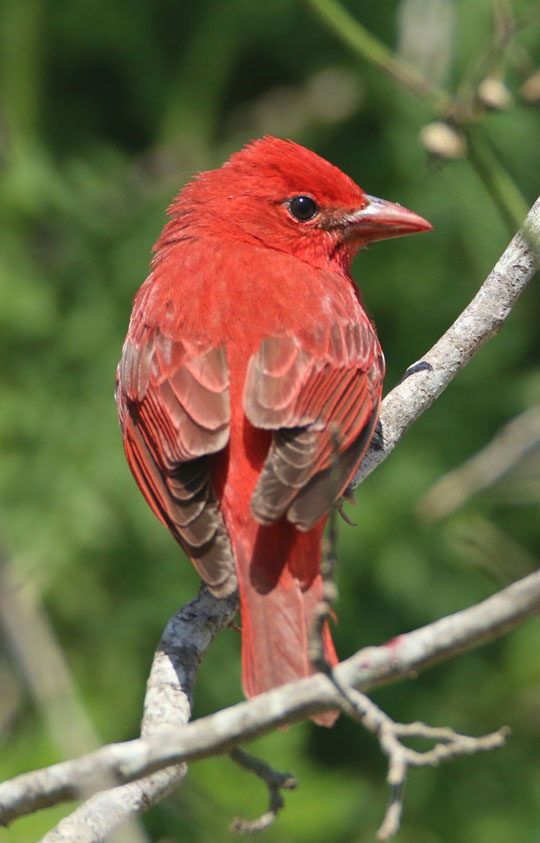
{"points": [[400, 757], [167, 706], [323, 612], [221, 732], [481, 320], [491, 549], [170, 686], [275, 782], [510, 445]]}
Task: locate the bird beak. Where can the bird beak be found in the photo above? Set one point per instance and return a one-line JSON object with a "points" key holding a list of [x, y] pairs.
{"points": [[379, 219]]}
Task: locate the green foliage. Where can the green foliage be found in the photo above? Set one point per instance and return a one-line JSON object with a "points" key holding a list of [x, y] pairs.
{"points": [[107, 109]]}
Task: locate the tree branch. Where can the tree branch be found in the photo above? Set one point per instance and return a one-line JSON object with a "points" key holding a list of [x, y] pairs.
{"points": [[275, 782], [349, 30], [167, 705], [511, 444], [482, 319], [219, 733], [390, 735], [189, 633]]}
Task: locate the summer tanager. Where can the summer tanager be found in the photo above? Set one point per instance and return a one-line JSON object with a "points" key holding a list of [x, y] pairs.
{"points": [[250, 383]]}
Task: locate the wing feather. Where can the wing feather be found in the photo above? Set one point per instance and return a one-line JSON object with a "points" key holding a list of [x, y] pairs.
{"points": [[320, 395], [175, 413]]}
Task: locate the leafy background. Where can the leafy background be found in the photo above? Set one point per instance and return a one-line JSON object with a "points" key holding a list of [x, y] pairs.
{"points": [[107, 109]]}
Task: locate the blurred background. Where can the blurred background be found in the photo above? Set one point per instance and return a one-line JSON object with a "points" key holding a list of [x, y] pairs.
{"points": [[106, 109]]}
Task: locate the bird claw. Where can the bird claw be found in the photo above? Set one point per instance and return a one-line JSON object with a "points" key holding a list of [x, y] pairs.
{"points": [[422, 366], [344, 514]]}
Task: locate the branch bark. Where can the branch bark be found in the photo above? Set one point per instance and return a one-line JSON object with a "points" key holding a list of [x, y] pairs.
{"points": [[479, 322], [149, 767], [168, 703], [402, 657]]}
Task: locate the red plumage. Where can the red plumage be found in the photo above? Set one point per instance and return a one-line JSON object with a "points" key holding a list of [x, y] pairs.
{"points": [[248, 357]]}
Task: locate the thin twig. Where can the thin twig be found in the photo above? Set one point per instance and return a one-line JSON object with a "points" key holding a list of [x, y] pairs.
{"points": [[508, 447], [460, 109], [275, 782], [323, 612], [506, 197], [400, 757], [351, 32]]}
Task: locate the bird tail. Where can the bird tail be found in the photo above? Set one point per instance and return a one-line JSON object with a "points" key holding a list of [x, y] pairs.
{"points": [[280, 586]]}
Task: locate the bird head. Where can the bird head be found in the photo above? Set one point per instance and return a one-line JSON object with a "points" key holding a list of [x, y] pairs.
{"points": [[280, 195]]}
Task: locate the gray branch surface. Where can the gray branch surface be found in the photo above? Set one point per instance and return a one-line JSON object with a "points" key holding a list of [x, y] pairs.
{"points": [[167, 705], [219, 733], [482, 319], [139, 773]]}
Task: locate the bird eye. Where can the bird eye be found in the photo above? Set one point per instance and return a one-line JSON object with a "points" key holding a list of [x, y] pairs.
{"points": [[303, 208]]}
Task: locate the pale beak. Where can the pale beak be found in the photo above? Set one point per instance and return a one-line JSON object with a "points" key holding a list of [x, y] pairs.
{"points": [[380, 219]]}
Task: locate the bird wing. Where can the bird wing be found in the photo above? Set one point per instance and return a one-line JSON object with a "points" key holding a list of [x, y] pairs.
{"points": [[174, 408], [320, 393]]}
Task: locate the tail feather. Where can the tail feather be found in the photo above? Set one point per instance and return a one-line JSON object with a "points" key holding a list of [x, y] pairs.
{"points": [[278, 595]]}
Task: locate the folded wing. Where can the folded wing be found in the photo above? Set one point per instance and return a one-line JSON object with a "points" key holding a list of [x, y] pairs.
{"points": [[173, 398], [320, 394]]}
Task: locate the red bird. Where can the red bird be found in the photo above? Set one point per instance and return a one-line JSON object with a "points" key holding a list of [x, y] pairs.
{"points": [[249, 359]]}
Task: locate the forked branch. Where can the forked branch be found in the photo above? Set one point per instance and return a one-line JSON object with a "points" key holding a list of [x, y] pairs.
{"points": [[220, 733], [146, 769]]}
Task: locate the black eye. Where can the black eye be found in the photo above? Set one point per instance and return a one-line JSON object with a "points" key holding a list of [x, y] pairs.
{"points": [[304, 208]]}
